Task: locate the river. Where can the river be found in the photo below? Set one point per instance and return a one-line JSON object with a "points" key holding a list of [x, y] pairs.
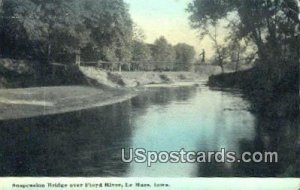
{"points": [[89, 142]]}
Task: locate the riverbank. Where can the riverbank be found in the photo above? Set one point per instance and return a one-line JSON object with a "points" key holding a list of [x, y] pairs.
{"points": [[27, 91], [139, 78], [275, 103], [29, 73], [26, 74], [40, 101], [272, 99]]}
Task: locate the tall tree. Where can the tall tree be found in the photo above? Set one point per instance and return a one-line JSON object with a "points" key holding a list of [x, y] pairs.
{"points": [[111, 28], [270, 24], [185, 56], [141, 56], [163, 54], [52, 30], [43, 26]]}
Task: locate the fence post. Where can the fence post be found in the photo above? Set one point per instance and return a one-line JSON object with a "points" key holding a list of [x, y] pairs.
{"points": [[120, 67], [77, 58]]}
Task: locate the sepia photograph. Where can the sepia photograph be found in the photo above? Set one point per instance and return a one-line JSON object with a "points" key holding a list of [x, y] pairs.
{"points": [[149, 94]]}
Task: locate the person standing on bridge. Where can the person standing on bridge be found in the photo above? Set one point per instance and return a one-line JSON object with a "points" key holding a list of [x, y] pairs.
{"points": [[202, 55]]}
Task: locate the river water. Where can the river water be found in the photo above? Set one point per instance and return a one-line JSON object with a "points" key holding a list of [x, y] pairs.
{"points": [[89, 143]]}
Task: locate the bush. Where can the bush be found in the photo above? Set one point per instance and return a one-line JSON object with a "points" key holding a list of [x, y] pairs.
{"points": [[182, 77], [115, 78], [165, 78]]}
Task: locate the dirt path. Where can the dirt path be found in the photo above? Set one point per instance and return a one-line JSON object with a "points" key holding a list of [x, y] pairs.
{"points": [[31, 102]]}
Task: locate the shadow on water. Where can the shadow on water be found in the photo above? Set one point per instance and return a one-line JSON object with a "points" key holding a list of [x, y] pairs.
{"points": [[279, 135], [163, 96], [85, 143], [276, 135], [73, 144]]}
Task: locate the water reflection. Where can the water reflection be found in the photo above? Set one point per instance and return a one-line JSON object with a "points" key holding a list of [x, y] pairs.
{"points": [[85, 143], [276, 135], [88, 143], [196, 123]]}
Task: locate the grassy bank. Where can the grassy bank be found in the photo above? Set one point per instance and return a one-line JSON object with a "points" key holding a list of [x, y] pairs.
{"points": [[29, 91], [32, 102], [26, 73], [137, 79]]}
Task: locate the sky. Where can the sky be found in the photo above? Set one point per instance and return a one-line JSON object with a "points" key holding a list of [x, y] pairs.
{"points": [[168, 18]]}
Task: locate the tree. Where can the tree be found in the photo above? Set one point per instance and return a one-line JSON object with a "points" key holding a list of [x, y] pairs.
{"points": [[221, 57], [111, 28], [51, 30], [220, 49], [37, 28], [207, 20], [269, 24], [138, 33], [141, 56], [14, 41], [185, 56], [236, 53], [163, 54]]}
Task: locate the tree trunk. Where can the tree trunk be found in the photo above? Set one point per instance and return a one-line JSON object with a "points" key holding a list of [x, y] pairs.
{"points": [[222, 66], [120, 68], [237, 62], [129, 67], [49, 53]]}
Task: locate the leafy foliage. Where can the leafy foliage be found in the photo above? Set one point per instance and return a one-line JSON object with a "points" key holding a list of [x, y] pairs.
{"points": [[51, 29], [185, 55], [272, 25], [57, 30], [111, 29], [141, 56], [164, 54]]}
